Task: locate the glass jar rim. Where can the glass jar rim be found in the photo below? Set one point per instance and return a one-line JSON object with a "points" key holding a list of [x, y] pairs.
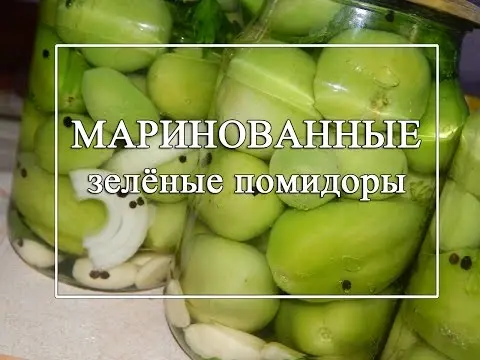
{"points": [[418, 11]]}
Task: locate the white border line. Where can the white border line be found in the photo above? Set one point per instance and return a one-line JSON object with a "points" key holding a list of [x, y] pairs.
{"points": [[224, 46], [437, 174], [57, 296]]}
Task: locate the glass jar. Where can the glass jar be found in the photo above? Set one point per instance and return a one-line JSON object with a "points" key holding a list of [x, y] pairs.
{"points": [[268, 243], [446, 328], [100, 246]]}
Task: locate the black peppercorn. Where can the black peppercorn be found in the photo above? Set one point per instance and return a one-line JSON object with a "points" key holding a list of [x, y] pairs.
{"points": [[466, 263], [346, 285], [390, 16], [121, 194], [454, 259], [94, 274], [67, 121]]}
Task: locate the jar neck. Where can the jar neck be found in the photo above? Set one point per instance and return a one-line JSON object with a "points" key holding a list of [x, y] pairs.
{"points": [[436, 17], [417, 24], [417, 18]]}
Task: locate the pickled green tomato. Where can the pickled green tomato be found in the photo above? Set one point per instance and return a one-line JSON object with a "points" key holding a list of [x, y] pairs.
{"points": [[376, 162], [453, 114], [297, 17], [186, 164], [32, 119], [241, 102], [344, 247], [167, 228], [66, 243], [217, 266], [270, 84], [449, 323], [131, 59], [238, 217], [115, 22], [68, 159], [459, 212], [335, 328], [284, 73], [71, 67], [372, 83], [111, 96], [465, 169], [181, 83], [288, 162], [33, 195]]}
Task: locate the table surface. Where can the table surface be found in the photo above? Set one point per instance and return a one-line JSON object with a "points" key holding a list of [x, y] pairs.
{"points": [[36, 326]]}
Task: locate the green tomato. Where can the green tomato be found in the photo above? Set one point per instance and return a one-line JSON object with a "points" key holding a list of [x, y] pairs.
{"points": [[238, 216], [105, 90], [453, 114], [68, 159], [364, 162], [297, 17], [186, 164], [115, 22], [66, 243], [270, 84], [284, 73], [372, 83], [449, 323], [182, 84], [217, 266], [33, 195], [340, 248], [288, 162], [244, 103], [335, 328]]}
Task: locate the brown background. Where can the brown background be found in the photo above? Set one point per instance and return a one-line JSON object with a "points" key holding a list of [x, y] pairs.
{"points": [[17, 28]]}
